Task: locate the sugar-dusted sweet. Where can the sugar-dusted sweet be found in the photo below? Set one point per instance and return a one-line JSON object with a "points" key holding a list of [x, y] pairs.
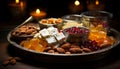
{"points": [[52, 30], [44, 32], [60, 37], [51, 40]]}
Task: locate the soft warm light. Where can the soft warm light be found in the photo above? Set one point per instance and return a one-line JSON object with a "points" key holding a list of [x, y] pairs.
{"points": [[38, 14], [21, 3], [16, 1], [77, 3], [22, 6], [97, 2], [37, 11]]}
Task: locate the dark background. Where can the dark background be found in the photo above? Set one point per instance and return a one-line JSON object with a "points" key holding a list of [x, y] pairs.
{"points": [[54, 8]]}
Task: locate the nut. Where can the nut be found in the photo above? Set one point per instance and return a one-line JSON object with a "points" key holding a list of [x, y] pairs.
{"points": [[13, 61], [17, 58], [66, 46], [60, 50], [75, 50], [56, 53], [9, 58], [104, 45], [47, 49], [6, 62], [67, 53], [86, 49], [51, 51], [75, 46]]}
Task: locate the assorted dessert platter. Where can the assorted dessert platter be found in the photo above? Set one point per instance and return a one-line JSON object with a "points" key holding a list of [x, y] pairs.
{"points": [[64, 37]]}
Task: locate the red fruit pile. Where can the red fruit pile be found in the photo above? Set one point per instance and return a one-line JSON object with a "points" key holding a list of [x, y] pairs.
{"points": [[76, 30]]}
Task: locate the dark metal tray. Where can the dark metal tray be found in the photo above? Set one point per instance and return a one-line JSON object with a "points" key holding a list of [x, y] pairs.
{"points": [[63, 58]]}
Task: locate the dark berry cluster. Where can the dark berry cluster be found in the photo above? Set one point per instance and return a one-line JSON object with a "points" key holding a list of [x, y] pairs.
{"points": [[91, 45]]}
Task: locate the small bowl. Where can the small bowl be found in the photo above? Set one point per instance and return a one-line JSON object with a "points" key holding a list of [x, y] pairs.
{"points": [[76, 34], [98, 18], [45, 23], [27, 30], [75, 17]]}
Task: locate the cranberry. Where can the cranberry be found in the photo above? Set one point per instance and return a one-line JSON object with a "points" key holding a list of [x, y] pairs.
{"points": [[76, 30]]}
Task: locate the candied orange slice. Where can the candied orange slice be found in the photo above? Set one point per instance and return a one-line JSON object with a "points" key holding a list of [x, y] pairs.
{"points": [[34, 44], [27, 44]]}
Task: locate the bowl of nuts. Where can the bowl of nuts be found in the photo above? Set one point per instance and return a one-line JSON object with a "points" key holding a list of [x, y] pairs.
{"points": [[27, 30], [44, 23]]}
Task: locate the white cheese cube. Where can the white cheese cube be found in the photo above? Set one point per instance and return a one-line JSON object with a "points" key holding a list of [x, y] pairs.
{"points": [[59, 36], [51, 40], [44, 32], [52, 30]]}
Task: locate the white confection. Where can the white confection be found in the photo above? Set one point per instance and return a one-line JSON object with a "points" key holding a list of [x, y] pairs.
{"points": [[44, 32], [51, 40], [52, 30], [37, 35], [59, 36]]}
